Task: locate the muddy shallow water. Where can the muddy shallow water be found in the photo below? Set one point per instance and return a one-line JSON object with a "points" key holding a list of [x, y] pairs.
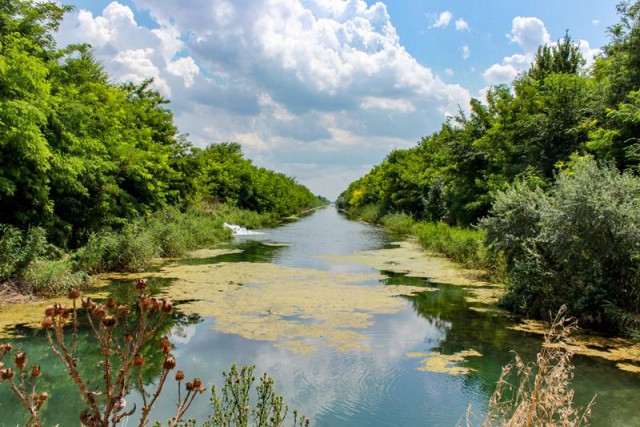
{"points": [[355, 328]]}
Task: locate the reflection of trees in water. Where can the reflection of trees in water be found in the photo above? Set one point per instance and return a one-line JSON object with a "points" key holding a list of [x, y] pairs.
{"points": [[463, 328]]}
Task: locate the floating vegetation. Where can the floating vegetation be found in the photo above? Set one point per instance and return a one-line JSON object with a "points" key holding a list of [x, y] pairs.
{"points": [[212, 253], [295, 307], [410, 259], [445, 363], [621, 350]]}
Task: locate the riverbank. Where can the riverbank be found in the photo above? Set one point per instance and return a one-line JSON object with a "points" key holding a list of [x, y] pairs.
{"points": [[35, 269]]}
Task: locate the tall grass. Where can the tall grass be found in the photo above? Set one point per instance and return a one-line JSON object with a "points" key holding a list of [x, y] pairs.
{"points": [[399, 223], [462, 245], [539, 394], [169, 233], [53, 277]]}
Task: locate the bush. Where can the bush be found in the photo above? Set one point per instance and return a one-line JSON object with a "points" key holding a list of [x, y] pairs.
{"points": [[577, 245], [19, 249]]}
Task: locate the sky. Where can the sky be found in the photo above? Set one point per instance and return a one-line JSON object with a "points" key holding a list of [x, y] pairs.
{"points": [[323, 90]]}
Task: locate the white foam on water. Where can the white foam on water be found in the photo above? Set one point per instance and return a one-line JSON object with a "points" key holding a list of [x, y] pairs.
{"points": [[240, 231]]}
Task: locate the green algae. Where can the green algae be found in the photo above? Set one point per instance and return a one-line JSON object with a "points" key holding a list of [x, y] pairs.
{"points": [[445, 363], [297, 308], [410, 259]]}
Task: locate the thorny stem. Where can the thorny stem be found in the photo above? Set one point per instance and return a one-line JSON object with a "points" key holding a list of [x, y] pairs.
{"points": [[68, 362], [32, 410], [74, 340], [147, 408]]}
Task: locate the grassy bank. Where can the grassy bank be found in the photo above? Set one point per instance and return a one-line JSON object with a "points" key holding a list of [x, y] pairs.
{"points": [[31, 265], [465, 246]]}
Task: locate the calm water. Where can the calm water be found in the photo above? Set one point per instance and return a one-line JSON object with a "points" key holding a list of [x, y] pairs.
{"points": [[381, 387]]}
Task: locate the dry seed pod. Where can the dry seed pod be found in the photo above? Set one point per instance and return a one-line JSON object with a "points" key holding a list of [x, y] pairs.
{"points": [[108, 321], [6, 374], [21, 359], [47, 322], [165, 345], [73, 293], [110, 303], [140, 284], [179, 376], [196, 382], [169, 363], [87, 303], [50, 310], [122, 310], [35, 371], [138, 360]]}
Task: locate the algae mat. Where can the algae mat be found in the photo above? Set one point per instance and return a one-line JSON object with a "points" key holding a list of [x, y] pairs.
{"points": [[410, 259], [297, 308]]}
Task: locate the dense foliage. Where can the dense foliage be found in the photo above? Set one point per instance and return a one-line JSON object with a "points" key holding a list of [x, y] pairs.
{"points": [[562, 228], [81, 154], [577, 244]]}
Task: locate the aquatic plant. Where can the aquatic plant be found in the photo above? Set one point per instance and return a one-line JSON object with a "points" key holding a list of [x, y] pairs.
{"points": [[539, 394]]}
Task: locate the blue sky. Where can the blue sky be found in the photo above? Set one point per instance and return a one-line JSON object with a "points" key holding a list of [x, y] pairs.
{"points": [[322, 90]]}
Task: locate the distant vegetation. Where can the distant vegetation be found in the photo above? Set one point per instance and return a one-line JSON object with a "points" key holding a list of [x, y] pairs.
{"points": [[547, 170], [92, 164]]}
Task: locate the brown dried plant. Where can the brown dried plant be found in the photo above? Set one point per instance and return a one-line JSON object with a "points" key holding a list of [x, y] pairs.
{"points": [[540, 394], [23, 383], [123, 334]]}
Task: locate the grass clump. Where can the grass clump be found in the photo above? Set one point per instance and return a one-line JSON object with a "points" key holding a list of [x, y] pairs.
{"points": [[463, 245], [539, 394], [399, 223], [53, 277]]}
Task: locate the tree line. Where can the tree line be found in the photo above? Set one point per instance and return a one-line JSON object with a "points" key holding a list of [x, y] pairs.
{"points": [[547, 168], [80, 153]]}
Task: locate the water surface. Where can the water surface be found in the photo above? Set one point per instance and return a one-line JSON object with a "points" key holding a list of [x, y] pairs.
{"points": [[379, 382]]}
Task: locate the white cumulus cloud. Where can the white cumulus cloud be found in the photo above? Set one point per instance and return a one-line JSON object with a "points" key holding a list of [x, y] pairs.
{"points": [[462, 25], [292, 80]]}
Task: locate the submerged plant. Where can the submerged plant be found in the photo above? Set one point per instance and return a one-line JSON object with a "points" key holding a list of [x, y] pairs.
{"points": [[539, 394]]}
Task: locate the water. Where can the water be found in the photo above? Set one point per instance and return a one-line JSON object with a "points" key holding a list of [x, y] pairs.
{"points": [[377, 386]]}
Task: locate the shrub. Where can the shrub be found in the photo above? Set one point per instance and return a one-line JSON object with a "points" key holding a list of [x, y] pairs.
{"points": [[577, 245], [18, 249]]}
